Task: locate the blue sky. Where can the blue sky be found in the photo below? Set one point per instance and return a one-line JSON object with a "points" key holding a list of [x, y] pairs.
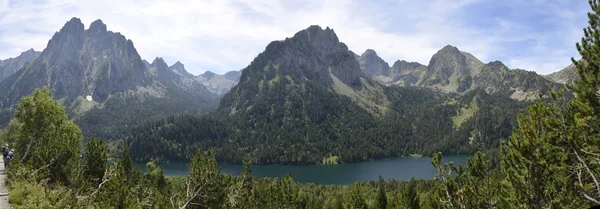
{"points": [[224, 35]]}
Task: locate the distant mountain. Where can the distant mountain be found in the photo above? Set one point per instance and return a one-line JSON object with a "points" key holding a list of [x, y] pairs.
{"points": [[219, 84], [564, 76], [518, 84], [180, 69], [12, 65], [373, 65], [454, 71], [102, 80], [405, 73]]}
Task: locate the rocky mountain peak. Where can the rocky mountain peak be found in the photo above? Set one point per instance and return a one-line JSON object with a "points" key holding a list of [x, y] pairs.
{"points": [[97, 27], [179, 68], [29, 51], [159, 64], [325, 40], [208, 74], [178, 65], [497, 65], [402, 65], [78, 62], [448, 71], [373, 65], [369, 52], [73, 25], [449, 48]]}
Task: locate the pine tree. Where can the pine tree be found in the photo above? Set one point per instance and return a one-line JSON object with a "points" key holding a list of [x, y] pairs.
{"points": [[95, 160], [381, 198], [205, 187], [356, 199], [581, 122], [482, 190], [409, 197], [535, 164]]}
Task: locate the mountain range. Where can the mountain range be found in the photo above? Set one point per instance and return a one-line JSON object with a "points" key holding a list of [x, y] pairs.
{"points": [[309, 99], [454, 71], [304, 100]]}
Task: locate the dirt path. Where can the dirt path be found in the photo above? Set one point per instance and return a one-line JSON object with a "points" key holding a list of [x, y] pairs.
{"points": [[3, 191]]}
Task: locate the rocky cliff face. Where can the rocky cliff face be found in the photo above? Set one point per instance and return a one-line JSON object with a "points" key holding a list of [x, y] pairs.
{"points": [[12, 65], [101, 79], [79, 62]]}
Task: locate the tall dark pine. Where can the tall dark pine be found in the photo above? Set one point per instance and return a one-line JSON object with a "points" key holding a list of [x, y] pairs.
{"points": [[589, 66], [583, 119]]}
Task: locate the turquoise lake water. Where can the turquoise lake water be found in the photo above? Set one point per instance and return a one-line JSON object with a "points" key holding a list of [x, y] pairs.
{"points": [[400, 168]]}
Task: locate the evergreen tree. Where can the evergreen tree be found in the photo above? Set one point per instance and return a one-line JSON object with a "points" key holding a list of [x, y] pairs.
{"points": [[483, 187], [535, 164], [95, 160], [381, 198], [356, 199], [409, 197], [581, 122], [204, 185]]}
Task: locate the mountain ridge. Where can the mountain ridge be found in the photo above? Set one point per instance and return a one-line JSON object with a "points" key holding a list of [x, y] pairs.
{"points": [[453, 71]]}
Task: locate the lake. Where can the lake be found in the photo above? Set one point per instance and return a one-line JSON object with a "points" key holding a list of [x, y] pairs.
{"points": [[400, 168]]}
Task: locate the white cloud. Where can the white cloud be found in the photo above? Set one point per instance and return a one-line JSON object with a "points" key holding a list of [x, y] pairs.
{"points": [[224, 35]]}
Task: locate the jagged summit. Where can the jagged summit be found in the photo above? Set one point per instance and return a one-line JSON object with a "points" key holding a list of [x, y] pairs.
{"points": [[97, 26], [160, 64], [321, 39], [79, 63], [178, 65], [449, 48], [208, 74], [73, 23], [179, 68], [30, 50], [372, 64], [369, 52]]}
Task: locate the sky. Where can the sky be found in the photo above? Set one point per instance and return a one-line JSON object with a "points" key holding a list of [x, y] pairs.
{"points": [[225, 35]]}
